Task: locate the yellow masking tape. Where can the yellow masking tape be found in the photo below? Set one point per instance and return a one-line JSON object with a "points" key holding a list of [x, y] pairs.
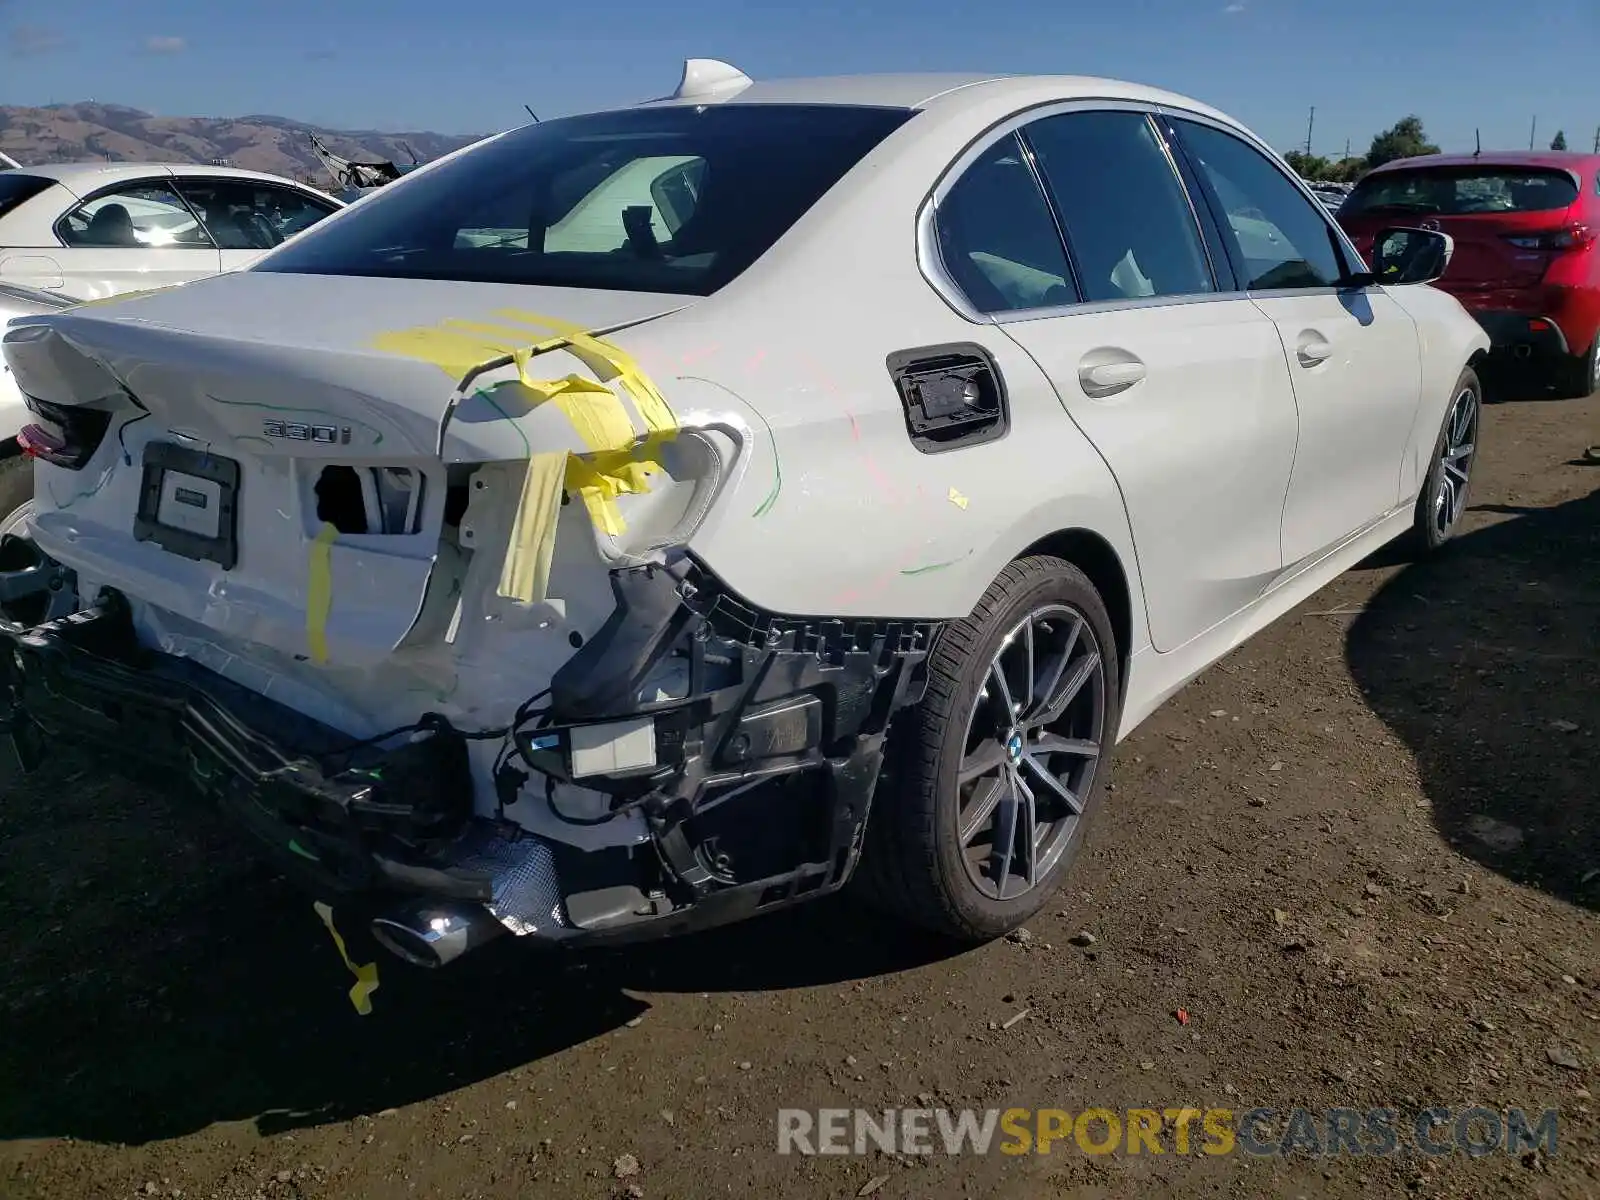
{"points": [[121, 296], [525, 576], [601, 478], [653, 407], [615, 465], [598, 418], [366, 973], [319, 592]]}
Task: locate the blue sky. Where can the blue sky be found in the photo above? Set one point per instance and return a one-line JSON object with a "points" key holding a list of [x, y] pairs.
{"points": [[470, 65]]}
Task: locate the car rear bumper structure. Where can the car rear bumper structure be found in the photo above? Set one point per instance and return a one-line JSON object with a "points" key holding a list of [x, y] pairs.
{"points": [[1520, 336], [753, 769]]}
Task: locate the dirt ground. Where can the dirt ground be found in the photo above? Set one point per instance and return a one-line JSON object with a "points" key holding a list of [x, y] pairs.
{"points": [[1362, 854]]}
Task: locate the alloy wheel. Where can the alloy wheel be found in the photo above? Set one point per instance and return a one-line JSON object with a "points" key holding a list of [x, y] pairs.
{"points": [[1033, 743], [18, 520], [1455, 462]]}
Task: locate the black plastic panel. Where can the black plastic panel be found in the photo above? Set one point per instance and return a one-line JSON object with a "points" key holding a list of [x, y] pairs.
{"points": [[159, 459]]}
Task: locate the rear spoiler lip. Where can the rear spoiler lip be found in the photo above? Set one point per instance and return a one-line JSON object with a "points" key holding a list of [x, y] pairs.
{"points": [[1397, 168]]}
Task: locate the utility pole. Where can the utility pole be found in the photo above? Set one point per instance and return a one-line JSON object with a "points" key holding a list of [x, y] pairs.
{"points": [[1597, 140], [1310, 123], [1347, 145], [1533, 131]]}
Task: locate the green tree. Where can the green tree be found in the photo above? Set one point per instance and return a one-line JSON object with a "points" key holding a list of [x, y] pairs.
{"points": [[1404, 139], [1307, 166], [1559, 142], [1348, 170]]}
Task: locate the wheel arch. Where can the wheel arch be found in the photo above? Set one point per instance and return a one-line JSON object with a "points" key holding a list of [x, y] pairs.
{"points": [[1097, 559]]}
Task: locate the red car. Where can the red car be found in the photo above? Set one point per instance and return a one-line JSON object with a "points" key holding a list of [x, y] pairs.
{"points": [[1527, 260]]}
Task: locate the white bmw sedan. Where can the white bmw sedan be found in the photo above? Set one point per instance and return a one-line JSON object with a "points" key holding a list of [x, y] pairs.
{"points": [[645, 519], [92, 230]]}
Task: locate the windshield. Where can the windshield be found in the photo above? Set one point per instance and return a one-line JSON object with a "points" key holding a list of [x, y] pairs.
{"points": [[15, 187], [1463, 191], [670, 199]]}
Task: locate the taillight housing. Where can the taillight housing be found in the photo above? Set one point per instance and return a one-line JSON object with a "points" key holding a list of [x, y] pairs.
{"points": [[69, 437], [1569, 237]]}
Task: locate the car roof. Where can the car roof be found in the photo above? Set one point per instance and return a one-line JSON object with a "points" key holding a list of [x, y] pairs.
{"points": [[1566, 160], [918, 90], [87, 176]]}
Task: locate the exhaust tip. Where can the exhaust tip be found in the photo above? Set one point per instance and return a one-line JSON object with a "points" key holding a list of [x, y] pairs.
{"points": [[404, 942], [433, 936]]}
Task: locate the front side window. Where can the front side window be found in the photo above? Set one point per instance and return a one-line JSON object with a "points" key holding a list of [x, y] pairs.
{"points": [[997, 239], [242, 214], [1279, 238], [142, 215], [1128, 220], [677, 198]]}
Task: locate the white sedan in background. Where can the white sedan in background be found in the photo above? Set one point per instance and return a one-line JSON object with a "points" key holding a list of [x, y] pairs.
{"points": [[93, 230], [722, 492]]}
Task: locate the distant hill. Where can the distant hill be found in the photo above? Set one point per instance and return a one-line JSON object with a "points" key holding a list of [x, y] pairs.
{"points": [[76, 132]]}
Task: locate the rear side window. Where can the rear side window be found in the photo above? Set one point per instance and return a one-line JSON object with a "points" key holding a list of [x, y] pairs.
{"points": [[669, 199], [1462, 191], [997, 238], [16, 187], [1128, 219]]}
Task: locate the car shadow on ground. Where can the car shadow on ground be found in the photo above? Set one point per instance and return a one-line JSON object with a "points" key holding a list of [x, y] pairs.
{"points": [[1485, 660], [160, 981]]}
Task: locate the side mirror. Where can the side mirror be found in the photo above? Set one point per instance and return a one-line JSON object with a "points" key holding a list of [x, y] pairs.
{"points": [[1409, 256]]}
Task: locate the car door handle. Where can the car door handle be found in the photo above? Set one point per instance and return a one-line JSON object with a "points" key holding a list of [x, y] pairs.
{"points": [[1312, 349], [1108, 378]]}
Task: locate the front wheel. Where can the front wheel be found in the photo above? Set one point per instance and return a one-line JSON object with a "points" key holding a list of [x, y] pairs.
{"points": [[1443, 500], [998, 772]]}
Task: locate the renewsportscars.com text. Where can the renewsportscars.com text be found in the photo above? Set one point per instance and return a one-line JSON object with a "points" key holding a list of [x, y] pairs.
{"points": [[1474, 1131]]}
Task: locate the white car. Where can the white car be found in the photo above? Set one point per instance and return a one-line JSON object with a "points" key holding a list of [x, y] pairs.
{"points": [[93, 230], [16, 472], [842, 493]]}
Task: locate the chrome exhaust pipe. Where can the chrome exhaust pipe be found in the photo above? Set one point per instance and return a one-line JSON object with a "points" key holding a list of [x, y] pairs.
{"points": [[433, 935]]}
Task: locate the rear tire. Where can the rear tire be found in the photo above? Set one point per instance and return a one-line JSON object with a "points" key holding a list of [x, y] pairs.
{"points": [[16, 489], [1028, 684], [1581, 379], [1447, 487]]}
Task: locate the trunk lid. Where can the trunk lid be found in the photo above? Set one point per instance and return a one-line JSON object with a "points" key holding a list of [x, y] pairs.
{"points": [[382, 356], [219, 487]]}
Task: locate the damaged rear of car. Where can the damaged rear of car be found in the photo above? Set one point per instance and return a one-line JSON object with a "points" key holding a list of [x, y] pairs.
{"points": [[384, 546]]}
